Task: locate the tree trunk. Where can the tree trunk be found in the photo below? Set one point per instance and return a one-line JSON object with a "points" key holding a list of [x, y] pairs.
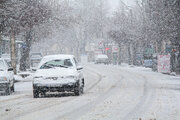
{"points": [[13, 50], [173, 57], [25, 51], [78, 51], [129, 54], [135, 47], [0, 44]]}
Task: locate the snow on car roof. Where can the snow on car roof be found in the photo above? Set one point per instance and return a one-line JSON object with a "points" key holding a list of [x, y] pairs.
{"points": [[53, 57]]}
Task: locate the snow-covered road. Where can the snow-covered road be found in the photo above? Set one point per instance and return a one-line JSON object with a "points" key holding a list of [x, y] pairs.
{"points": [[111, 93]]}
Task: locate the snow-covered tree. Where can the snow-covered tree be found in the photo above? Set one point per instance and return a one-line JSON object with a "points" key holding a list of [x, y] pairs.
{"points": [[21, 17]]}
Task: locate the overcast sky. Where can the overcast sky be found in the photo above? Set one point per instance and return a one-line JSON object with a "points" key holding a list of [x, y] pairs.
{"points": [[114, 3]]}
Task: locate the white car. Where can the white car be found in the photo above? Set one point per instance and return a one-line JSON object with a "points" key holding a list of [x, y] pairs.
{"points": [[102, 59], [58, 73], [6, 78]]}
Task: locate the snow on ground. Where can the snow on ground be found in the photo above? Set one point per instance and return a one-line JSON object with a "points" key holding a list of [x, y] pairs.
{"points": [[111, 93], [23, 86]]}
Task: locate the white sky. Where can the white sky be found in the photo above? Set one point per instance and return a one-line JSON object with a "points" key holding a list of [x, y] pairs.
{"points": [[114, 3]]}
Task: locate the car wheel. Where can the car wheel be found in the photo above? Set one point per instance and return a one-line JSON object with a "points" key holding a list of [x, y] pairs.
{"points": [[12, 88], [8, 90], [77, 90], [43, 93], [36, 93], [82, 90], [83, 82]]}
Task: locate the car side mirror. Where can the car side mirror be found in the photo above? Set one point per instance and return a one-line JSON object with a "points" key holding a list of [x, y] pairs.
{"points": [[10, 69], [79, 67]]}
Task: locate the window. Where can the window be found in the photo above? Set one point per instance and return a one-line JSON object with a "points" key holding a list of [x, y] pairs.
{"points": [[57, 63]]}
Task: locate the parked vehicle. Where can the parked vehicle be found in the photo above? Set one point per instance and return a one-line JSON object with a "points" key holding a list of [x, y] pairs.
{"points": [[148, 63], [58, 73], [6, 77], [102, 59]]}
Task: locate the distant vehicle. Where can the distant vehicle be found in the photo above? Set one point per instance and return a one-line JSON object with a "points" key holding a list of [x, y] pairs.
{"points": [[102, 59], [58, 73], [6, 78], [35, 59], [148, 63]]}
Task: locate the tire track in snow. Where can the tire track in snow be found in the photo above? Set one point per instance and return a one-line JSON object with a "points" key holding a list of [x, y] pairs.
{"points": [[146, 96], [96, 83], [144, 102], [12, 99], [74, 114]]}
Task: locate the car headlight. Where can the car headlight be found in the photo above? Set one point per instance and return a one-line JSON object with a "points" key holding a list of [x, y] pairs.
{"points": [[38, 77], [53, 78], [72, 77], [3, 78]]}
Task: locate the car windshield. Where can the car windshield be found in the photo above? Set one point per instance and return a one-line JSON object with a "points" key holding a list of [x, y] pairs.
{"points": [[66, 63], [2, 65]]}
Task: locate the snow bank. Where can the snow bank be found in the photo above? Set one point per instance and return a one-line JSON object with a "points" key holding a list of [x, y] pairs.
{"points": [[23, 77]]}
